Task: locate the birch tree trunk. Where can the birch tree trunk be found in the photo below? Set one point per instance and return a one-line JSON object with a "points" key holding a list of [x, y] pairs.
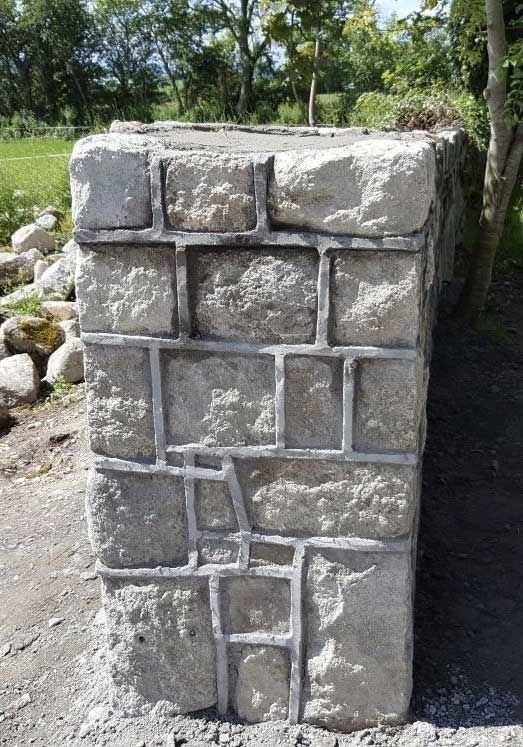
{"points": [[503, 161]]}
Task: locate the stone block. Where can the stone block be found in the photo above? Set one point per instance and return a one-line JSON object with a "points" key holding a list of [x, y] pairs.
{"points": [[263, 554], [313, 402], [210, 192], [119, 402], [322, 498], [137, 520], [161, 645], [378, 187], [218, 399], [359, 639], [128, 290], [260, 683], [213, 506], [19, 381], [110, 183], [387, 412], [217, 552], [254, 295], [375, 299], [255, 605]]}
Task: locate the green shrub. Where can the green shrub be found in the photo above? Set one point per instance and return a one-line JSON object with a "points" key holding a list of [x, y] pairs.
{"points": [[30, 306]]}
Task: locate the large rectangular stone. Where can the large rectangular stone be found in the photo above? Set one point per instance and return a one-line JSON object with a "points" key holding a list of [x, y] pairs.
{"points": [[255, 605], [137, 520], [210, 192], [322, 498], [216, 399], [375, 299], [359, 639], [161, 645], [259, 682], [119, 402], [254, 295], [127, 290]]}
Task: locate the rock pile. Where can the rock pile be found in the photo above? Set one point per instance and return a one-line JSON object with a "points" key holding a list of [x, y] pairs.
{"points": [[40, 340]]}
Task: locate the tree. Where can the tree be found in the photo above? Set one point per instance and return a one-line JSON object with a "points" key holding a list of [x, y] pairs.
{"points": [[504, 97]]}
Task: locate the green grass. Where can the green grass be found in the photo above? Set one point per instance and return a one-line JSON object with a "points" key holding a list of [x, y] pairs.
{"points": [[30, 306]]}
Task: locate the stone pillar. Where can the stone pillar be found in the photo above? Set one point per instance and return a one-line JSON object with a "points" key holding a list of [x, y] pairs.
{"points": [[256, 307]]}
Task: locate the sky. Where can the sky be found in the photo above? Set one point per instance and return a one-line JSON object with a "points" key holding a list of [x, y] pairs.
{"points": [[401, 7]]}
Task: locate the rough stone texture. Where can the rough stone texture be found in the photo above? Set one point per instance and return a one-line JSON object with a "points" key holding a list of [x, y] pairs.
{"points": [[359, 639], [377, 188], [34, 335], [32, 237], [119, 402], [219, 400], [255, 605], [313, 402], [254, 296], [60, 310], [128, 290], [39, 268], [387, 416], [137, 520], [71, 328], [67, 363], [19, 295], [4, 350], [210, 192], [19, 381], [329, 499], [273, 429], [18, 268], [262, 684], [375, 299], [57, 283], [161, 646], [5, 417], [110, 183]]}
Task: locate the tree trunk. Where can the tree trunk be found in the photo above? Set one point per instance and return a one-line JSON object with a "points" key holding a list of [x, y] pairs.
{"points": [[245, 100], [314, 82], [503, 161]]}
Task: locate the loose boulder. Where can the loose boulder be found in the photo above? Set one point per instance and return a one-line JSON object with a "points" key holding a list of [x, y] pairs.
{"points": [[18, 268], [46, 221], [71, 328], [40, 267], [5, 417], [60, 311], [70, 247], [30, 334], [19, 295], [57, 283], [32, 237], [67, 363], [4, 350], [19, 381]]}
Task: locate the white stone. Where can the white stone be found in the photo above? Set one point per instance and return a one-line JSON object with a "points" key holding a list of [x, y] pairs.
{"points": [[32, 237], [57, 283], [40, 267], [19, 381], [67, 362], [377, 187], [46, 221], [71, 328]]}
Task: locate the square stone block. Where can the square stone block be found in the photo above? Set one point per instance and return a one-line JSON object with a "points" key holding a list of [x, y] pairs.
{"points": [[216, 399], [110, 182], [267, 554], [387, 415], [119, 402], [213, 506], [359, 639], [329, 499], [127, 290], [217, 552], [377, 187], [161, 645], [137, 520], [254, 295], [375, 299], [255, 604], [210, 192], [259, 682], [313, 402]]}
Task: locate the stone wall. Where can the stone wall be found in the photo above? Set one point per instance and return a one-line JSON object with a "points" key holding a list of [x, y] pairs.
{"points": [[256, 306]]}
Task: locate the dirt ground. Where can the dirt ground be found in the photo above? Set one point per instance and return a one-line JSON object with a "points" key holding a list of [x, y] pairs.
{"points": [[469, 603]]}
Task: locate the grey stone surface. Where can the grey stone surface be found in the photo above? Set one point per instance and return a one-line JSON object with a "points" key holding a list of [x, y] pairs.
{"points": [[161, 646], [359, 639], [67, 363], [219, 400], [57, 282], [210, 192], [375, 299], [255, 605], [373, 188], [60, 311], [71, 328], [263, 554], [4, 350], [39, 268], [387, 405], [137, 520], [110, 182], [119, 402], [32, 237], [261, 690], [19, 295], [217, 552], [127, 290], [321, 498], [19, 381], [313, 402], [32, 334], [254, 295], [213, 505], [18, 268]]}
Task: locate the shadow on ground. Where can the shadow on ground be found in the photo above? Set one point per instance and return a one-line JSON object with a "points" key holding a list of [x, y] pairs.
{"points": [[469, 603]]}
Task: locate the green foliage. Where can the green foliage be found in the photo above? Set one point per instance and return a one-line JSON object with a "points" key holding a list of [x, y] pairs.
{"points": [[511, 247], [60, 392], [30, 306]]}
